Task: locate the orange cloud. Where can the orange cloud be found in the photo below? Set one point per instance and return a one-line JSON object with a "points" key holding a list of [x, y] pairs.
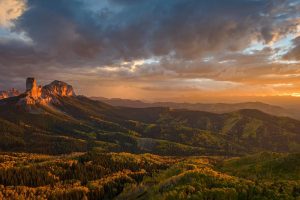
{"points": [[10, 10]]}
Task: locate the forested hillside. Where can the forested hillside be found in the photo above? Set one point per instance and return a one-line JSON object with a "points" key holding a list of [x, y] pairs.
{"points": [[75, 176], [212, 178], [96, 175]]}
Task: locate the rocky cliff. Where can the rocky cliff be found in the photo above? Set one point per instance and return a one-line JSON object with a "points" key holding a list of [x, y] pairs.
{"points": [[58, 88], [33, 92], [44, 95]]}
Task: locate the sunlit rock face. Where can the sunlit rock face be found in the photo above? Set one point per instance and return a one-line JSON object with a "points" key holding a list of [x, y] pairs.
{"points": [[9, 93], [57, 88], [33, 91], [44, 95], [13, 92], [3, 94], [51, 92]]}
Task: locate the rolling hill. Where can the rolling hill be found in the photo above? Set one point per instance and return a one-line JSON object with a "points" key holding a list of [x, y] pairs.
{"points": [[264, 166], [200, 178]]}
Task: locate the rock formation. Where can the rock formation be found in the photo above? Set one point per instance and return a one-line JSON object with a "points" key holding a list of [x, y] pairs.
{"points": [[58, 88], [44, 95], [3, 94], [9, 93], [33, 92], [13, 92]]}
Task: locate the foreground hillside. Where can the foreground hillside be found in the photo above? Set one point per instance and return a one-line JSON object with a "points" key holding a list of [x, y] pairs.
{"points": [[80, 124], [205, 178], [75, 176], [127, 176]]}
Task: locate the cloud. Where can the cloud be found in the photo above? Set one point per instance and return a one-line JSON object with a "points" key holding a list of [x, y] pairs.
{"points": [[294, 53], [130, 30], [174, 39], [10, 10]]}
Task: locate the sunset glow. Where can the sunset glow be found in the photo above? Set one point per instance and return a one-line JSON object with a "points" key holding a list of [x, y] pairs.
{"points": [[171, 50]]}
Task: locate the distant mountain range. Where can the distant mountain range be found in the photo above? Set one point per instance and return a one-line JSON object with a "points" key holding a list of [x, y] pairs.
{"points": [[208, 107], [57, 121]]}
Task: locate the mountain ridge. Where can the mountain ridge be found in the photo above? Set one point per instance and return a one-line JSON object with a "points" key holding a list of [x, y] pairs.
{"points": [[77, 123], [209, 107]]}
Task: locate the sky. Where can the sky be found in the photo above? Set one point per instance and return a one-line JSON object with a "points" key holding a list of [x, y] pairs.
{"points": [[180, 50]]}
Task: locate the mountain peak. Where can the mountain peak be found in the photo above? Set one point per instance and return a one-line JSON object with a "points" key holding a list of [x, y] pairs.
{"points": [[43, 95], [58, 88]]}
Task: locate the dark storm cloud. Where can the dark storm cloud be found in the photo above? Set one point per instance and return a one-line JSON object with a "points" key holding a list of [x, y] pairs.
{"points": [[15, 52], [71, 31], [60, 28]]}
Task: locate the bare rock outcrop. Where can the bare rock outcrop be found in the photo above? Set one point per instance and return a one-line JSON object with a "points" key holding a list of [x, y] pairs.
{"points": [[44, 95], [9, 93], [3, 94], [33, 92], [58, 88]]}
